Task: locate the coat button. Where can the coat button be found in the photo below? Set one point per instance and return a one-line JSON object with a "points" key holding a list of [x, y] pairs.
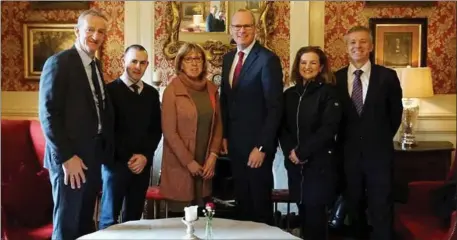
{"points": [[361, 138]]}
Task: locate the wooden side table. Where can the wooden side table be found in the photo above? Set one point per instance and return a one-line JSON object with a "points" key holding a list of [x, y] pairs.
{"points": [[428, 161]]}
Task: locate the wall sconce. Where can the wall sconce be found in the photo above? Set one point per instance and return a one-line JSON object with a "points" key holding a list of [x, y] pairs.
{"points": [[415, 83]]}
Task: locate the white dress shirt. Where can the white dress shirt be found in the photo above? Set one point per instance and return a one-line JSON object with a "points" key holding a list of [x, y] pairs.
{"points": [[86, 59], [129, 84], [235, 60], [365, 77]]}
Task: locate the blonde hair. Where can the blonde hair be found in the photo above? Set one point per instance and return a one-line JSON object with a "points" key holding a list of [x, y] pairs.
{"points": [[358, 28]]}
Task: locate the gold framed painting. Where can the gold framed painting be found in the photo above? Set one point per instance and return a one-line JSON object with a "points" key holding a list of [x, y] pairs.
{"points": [[189, 9], [399, 42], [254, 6], [42, 40]]}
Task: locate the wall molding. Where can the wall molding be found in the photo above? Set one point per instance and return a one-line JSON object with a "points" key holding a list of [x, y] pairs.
{"points": [[437, 116]]}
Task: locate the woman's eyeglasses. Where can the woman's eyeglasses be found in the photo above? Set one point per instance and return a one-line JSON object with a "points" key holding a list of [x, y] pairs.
{"points": [[193, 59]]}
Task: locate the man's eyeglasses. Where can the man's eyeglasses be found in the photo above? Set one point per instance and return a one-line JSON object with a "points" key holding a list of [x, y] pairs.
{"points": [[245, 26], [195, 59]]}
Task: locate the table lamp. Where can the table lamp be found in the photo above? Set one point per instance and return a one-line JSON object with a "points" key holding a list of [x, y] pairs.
{"points": [[415, 83], [197, 20]]}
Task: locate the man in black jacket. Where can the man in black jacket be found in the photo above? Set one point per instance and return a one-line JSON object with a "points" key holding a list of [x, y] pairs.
{"points": [[137, 134], [371, 99]]}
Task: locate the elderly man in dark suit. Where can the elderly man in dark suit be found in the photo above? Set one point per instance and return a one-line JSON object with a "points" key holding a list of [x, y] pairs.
{"points": [[76, 117], [251, 103], [372, 108]]}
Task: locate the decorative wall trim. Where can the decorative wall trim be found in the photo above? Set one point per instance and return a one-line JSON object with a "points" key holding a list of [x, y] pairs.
{"points": [[437, 116]]}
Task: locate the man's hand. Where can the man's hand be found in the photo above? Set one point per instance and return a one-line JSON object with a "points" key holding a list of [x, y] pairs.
{"points": [[136, 163], [194, 168], [209, 166], [73, 170], [224, 149], [293, 157], [256, 158]]}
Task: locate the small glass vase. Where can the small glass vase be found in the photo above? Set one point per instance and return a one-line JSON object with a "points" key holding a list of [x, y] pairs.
{"points": [[209, 229]]}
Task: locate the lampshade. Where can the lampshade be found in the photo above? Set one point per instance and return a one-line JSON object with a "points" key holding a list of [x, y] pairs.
{"points": [[197, 19], [416, 82]]}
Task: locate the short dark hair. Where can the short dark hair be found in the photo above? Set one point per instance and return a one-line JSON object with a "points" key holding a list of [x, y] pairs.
{"points": [[326, 74], [184, 50], [135, 46]]}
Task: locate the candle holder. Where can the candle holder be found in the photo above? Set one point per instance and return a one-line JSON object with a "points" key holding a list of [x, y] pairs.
{"points": [[190, 229]]}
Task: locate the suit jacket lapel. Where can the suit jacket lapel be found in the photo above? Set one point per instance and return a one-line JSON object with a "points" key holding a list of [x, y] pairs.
{"points": [[228, 66], [372, 84], [248, 63], [80, 69]]}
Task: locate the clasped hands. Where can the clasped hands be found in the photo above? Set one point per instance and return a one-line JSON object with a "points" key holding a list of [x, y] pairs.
{"points": [[207, 171]]}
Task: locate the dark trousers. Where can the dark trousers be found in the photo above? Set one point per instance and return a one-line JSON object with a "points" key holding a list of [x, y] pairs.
{"points": [[124, 190], [74, 208], [377, 184], [313, 221], [253, 187]]}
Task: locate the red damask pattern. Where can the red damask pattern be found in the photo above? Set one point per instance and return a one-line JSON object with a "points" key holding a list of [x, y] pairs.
{"points": [[441, 42], [14, 14], [279, 39]]}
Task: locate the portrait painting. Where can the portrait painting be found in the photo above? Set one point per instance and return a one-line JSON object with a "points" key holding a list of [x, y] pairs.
{"points": [[397, 49], [42, 40], [399, 42]]}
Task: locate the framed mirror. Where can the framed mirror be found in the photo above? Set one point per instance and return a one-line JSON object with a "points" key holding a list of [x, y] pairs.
{"points": [[208, 23], [204, 17]]}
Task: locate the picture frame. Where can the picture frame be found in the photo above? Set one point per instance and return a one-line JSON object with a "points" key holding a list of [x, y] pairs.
{"points": [[399, 42], [254, 6], [59, 5], [189, 9], [400, 3], [42, 40]]}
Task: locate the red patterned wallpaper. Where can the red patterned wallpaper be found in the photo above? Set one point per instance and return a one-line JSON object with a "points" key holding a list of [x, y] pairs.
{"points": [[441, 42], [279, 39], [14, 14]]}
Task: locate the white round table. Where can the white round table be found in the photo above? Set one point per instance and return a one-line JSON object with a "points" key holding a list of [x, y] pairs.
{"points": [[173, 228]]}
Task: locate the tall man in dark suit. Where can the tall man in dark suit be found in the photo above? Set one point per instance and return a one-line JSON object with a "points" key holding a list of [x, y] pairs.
{"points": [[251, 103], [372, 109], [76, 117], [137, 133]]}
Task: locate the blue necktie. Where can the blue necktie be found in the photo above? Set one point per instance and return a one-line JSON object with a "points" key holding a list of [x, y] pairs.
{"points": [[357, 92]]}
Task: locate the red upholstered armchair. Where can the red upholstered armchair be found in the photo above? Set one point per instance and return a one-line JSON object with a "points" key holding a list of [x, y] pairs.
{"points": [[26, 206], [417, 220]]}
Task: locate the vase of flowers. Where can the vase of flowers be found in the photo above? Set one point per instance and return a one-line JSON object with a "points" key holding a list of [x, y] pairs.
{"points": [[209, 213]]}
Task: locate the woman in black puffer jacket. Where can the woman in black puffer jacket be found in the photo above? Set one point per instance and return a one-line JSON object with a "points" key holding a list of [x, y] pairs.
{"points": [[310, 122]]}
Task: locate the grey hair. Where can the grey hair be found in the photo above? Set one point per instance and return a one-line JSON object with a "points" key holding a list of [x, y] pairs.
{"points": [[358, 29], [90, 12]]}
